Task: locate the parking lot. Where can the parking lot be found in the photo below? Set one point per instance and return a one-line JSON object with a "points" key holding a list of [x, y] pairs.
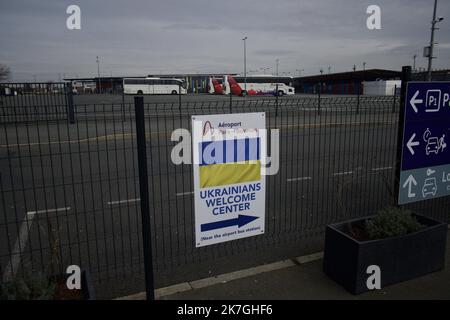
{"points": [[71, 190]]}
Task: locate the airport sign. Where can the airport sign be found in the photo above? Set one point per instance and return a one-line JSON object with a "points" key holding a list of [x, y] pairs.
{"points": [[425, 164], [229, 184]]}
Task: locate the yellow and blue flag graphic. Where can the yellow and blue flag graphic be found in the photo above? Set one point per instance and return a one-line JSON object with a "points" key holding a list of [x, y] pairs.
{"points": [[229, 162]]}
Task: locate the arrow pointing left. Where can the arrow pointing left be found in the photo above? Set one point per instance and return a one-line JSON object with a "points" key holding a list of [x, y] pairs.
{"points": [[411, 143], [240, 221], [414, 100]]}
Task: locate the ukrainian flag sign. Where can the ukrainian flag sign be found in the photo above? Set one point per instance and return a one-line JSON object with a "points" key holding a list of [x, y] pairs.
{"points": [[229, 187]]}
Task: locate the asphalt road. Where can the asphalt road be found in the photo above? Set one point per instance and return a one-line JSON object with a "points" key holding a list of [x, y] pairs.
{"points": [[72, 189]]}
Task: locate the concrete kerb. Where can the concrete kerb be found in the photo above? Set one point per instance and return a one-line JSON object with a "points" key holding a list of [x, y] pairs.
{"points": [[226, 277]]}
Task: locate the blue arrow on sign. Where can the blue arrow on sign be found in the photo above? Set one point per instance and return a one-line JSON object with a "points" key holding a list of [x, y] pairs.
{"points": [[240, 221]]}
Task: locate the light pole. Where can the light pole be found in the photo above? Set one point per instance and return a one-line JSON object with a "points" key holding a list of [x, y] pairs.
{"points": [[414, 62], [276, 70], [98, 74], [245, 64], [433, 27], [329, 69], [364, 66]]}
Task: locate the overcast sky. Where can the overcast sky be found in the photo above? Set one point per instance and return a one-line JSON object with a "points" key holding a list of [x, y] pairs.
{"points": [[187, 36]]}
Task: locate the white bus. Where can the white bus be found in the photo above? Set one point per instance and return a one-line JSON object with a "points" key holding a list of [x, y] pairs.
{"points": [[153, 86], [258, 85]]}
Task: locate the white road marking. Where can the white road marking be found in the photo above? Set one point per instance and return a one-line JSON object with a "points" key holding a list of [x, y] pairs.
{"points": [[342, 173], [381, 169], [21, 242], [48, 211], [181, 194], [111, 203], [298, 179]]}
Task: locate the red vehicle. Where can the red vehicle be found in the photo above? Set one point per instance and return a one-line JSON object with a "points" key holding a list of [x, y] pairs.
{"points": [[215, 86], [258, 85]]}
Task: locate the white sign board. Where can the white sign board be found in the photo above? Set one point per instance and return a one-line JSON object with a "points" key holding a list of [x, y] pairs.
{"points": [[229, 184]]}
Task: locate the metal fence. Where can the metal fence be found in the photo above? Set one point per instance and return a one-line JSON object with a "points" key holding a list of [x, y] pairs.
{"points": [[20, 102], [70, 192]]}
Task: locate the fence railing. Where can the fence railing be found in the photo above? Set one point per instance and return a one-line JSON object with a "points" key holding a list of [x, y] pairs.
{"points": [[21, 102], [70, 191]]}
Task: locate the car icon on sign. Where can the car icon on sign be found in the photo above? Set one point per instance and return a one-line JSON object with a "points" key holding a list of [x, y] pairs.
{"points": [[429, 187], [432, 146]]}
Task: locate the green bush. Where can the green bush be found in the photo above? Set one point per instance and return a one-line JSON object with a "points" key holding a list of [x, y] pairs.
{"points": [[392, 222], [32, 286]]}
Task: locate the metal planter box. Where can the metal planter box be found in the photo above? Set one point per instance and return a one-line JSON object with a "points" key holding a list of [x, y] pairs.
{"points": [[399, 258]]}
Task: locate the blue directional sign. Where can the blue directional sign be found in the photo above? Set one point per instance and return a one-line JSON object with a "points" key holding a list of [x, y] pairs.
{"points": [[425, 167]]}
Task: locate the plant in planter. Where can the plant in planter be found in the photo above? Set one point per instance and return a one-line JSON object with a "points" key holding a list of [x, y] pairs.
{"points": [[30, 286], [392, 222], [404, 245], [46, 285], [40, 286]]}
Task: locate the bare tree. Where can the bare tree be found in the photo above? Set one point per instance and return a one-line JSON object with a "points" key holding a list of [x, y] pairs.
{"points": [[4, 72]]}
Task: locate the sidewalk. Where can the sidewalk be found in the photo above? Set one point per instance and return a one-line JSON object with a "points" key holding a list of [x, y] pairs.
{"points": [[300, 279]]}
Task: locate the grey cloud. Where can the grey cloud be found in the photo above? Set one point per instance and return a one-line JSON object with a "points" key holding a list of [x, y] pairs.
{"points": [[190, 26], [143, 37]]}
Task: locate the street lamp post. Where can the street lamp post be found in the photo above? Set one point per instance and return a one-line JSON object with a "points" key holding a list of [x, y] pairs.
{"points": [[414, 62], [433, 27], [276, 70], [245, 65], [364, 66], [98, 74]]}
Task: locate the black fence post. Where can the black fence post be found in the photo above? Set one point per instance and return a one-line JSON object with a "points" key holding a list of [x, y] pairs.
{"points": [[276, 102], [405, 77], [70, 107], [357, 101], [123, 104], [318, 107], [145, 206], [395, 99], [179, 97]]}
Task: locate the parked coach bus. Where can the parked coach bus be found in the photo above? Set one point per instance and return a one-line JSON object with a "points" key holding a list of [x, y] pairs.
{"points": [[258, 85], [153, 86]]}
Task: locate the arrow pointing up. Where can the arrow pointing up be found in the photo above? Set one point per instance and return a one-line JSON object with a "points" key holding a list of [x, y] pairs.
{"points": [[408, 183], [411, 143], [240, 221], [414, 100]]}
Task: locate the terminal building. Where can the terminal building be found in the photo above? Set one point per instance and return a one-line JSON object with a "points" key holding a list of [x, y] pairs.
{"points": [[343, 82]]}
